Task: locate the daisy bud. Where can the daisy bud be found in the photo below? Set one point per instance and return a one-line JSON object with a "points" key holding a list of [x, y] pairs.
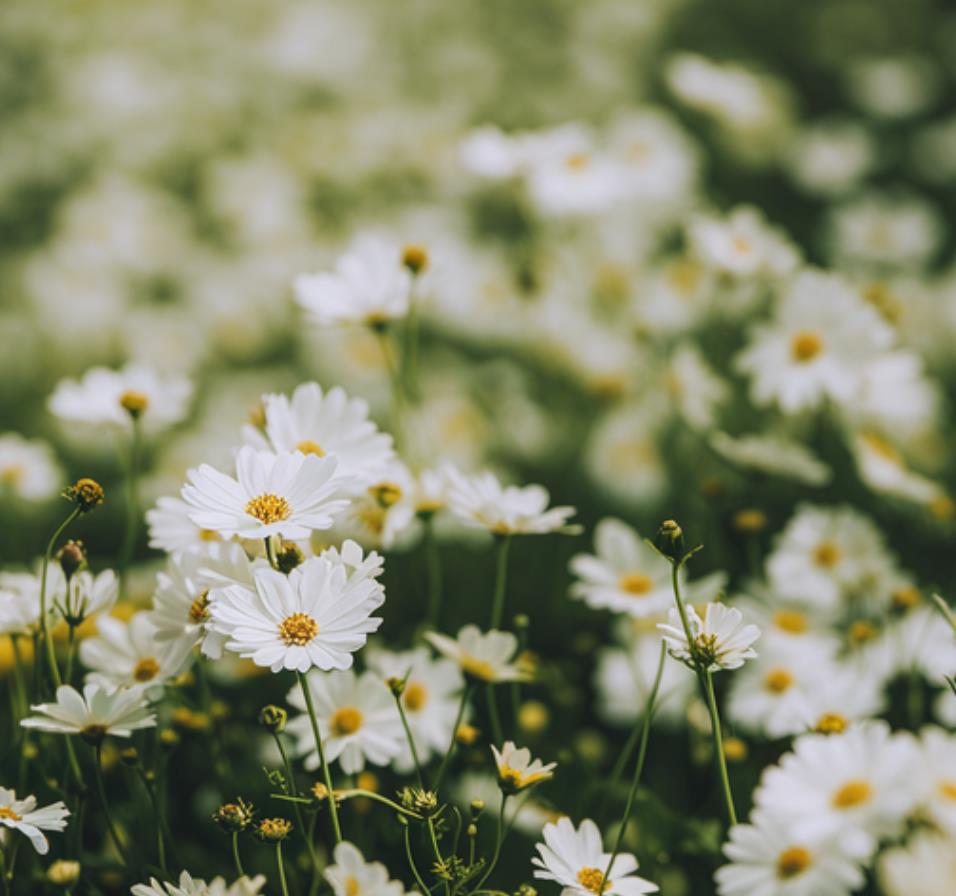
{"points": [[476, 808], [526, 890], [521, 622], [87, 494], [424, 802], [72, 558], [396, 685], [234, 817], [670, 540], [63, 873], [367, 781], [273, 718], [466, 734], [320, 791], [472, 830], [735, 749], [129, 756], [134, 403], [288, 557], [750, 521], [415, 258], [273, 830], [169, 739], [533, 716]]}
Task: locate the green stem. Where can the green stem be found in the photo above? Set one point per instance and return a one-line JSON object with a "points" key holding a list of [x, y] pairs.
{"points": [[412, 865], [70, 652], [132, 507], [45, 635], [433, 565], [501, 576], [101, 791], [281, 867], [499, 839], [293, 791], [395, 381], [434, 841], [235, 854], [326, 774], [3, 873], [411, 740], [635, 781], [160, 843], [19, 687], [719, 748], [493, 717], [465, 694]]}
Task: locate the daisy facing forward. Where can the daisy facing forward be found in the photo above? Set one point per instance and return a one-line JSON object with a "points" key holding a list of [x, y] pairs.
{"points": [[25, 817], [351, 875], [575, 859], [188, 885], [316, 617], [93, 714], [720, 641], [287, 494], [486, 656]]}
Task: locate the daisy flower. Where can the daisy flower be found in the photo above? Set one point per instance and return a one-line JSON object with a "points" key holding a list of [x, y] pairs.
{"points": [[742, 244], [773, 455], [351, 875], [19, 603], [721, 640], [517, 770], [187, 885], [357, 720], [119, 397], [482, 502], [817, 347], [936, 776], [385, 513], [925, 865], [28, 468], [86, 594], [314, 617], [287, 494], [171, 529], [126, 654], [329, 424], [370, 285], [24, 816], [575, 859], [94, 713], [766, 859], [486, 656]]}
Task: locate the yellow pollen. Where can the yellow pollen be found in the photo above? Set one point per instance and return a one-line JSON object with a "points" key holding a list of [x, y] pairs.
{"points": [[199, 608], [793, 861], [12, 475], [684, 276], [853, 793], [830, 723], [307, 446], [209, 535], [7, 812], [478, 668], [373, 518], [827, 554], [298, 629], [578, 161], [352, 887], [415, 696], [777, 681], [741, 244], [146, 669], [946, 788], [592, 879], [636, 583], [133, 402], [269, 509], [345, 721], [805, 345], [906, 598], [791, 621], [862, 631]]}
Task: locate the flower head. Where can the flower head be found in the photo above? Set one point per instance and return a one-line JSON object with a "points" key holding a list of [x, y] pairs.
{"points": [[94, 713], [720, 641], [485, 656], [24, 816], [517, 770]]}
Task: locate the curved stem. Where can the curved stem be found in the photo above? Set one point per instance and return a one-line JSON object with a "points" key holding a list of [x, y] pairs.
{"points": [[501, 577], [635, 780], [45, 635], [235, 854], [412, 865], [160, 842], [719, 748], [454, 732], [326, 774], [293, 791], [499, 839]]}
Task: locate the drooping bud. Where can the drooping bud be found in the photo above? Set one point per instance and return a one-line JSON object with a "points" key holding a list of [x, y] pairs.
{"points": [[273, 718], [72, 558], [288, 557], [670, 540], [63, 873]]}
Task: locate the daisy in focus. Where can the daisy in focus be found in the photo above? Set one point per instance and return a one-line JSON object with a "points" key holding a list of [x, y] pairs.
{"points": [[187, 885], [720, 641], [94, 713], [24, 816]]}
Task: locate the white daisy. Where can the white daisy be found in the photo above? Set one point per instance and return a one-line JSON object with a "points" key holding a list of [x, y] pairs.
{"points": [[126, 654], [721, 639], [925, 865], [24, 816], [482, 502], [86, 595], [772, 454], [936, 777], [187, 885], [351, 875], [742, 244], [28, 468], [384, 514], [118, 397], [517, 770], [487, 656], [768, 860], [316, 617], [94, 713], [171, 529], [19, 603], [370, 285], [287, 494], [357, 720], [575, 859], [325, 424]]}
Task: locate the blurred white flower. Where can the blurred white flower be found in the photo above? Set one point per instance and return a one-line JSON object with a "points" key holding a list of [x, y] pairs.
{"points": [[24, 816], [769, 453], [926, 864], [28, 468], [172, 530], [187, 885], [486, 656], [350, 875], [741, 245], [96, 712]]}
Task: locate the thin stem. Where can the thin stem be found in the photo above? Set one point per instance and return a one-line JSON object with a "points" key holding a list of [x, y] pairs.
{"points": [[499, 839], [101, 791], [132, 506], [465, 694], [45, 635], [293, 791], [433, 566], [3, 873], [434, 841], [395, 381], [235, 854], [719, 748], [410, 739], [501, 576], [412, 865], [70, 652], [493, 717], [160, 842], [326, 774], [281, 867], [19, 687], [642, 752]]}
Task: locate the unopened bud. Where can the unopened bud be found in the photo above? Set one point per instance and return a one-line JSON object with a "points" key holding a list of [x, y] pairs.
{"points": [[86, 494], [72, 558], [273, 830], [288, 557], [273, 718], [415, 258], [63, 873], [233, 817], [670, 540]]}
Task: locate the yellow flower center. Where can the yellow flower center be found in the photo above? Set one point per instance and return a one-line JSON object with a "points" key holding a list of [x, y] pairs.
{"points": [[805, 345], [827, 554], [415, 696], [373, 518], [793, 861], [636, 583], [133, 402], [307, 446], [209, 535], [592, 879], [778, 680], [577, 161], [199, 608], [345, 721], [146, 669], [478, 668], [741, 244], [7, 812], [386, 493], [862, 631], [946, 788], [830, 723], [906, 598], [12, 475], [881, 447], [853, 793], [269, 509], [791, 621], [298, 629], [352, 887], [684, 276]]}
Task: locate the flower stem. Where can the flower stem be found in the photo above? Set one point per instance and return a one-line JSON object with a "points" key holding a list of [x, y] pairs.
{"points": [[326, 774], [433, 565], [411, 741], [101, 791], [293, 791], [132, 507], [719, 748], [493, 717], [281, 867], [235, 854], [411, 863], [638, 768], [499, 839], [501, 576], [45, 635], [395, 381], [160, 842], [465, 694]]}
